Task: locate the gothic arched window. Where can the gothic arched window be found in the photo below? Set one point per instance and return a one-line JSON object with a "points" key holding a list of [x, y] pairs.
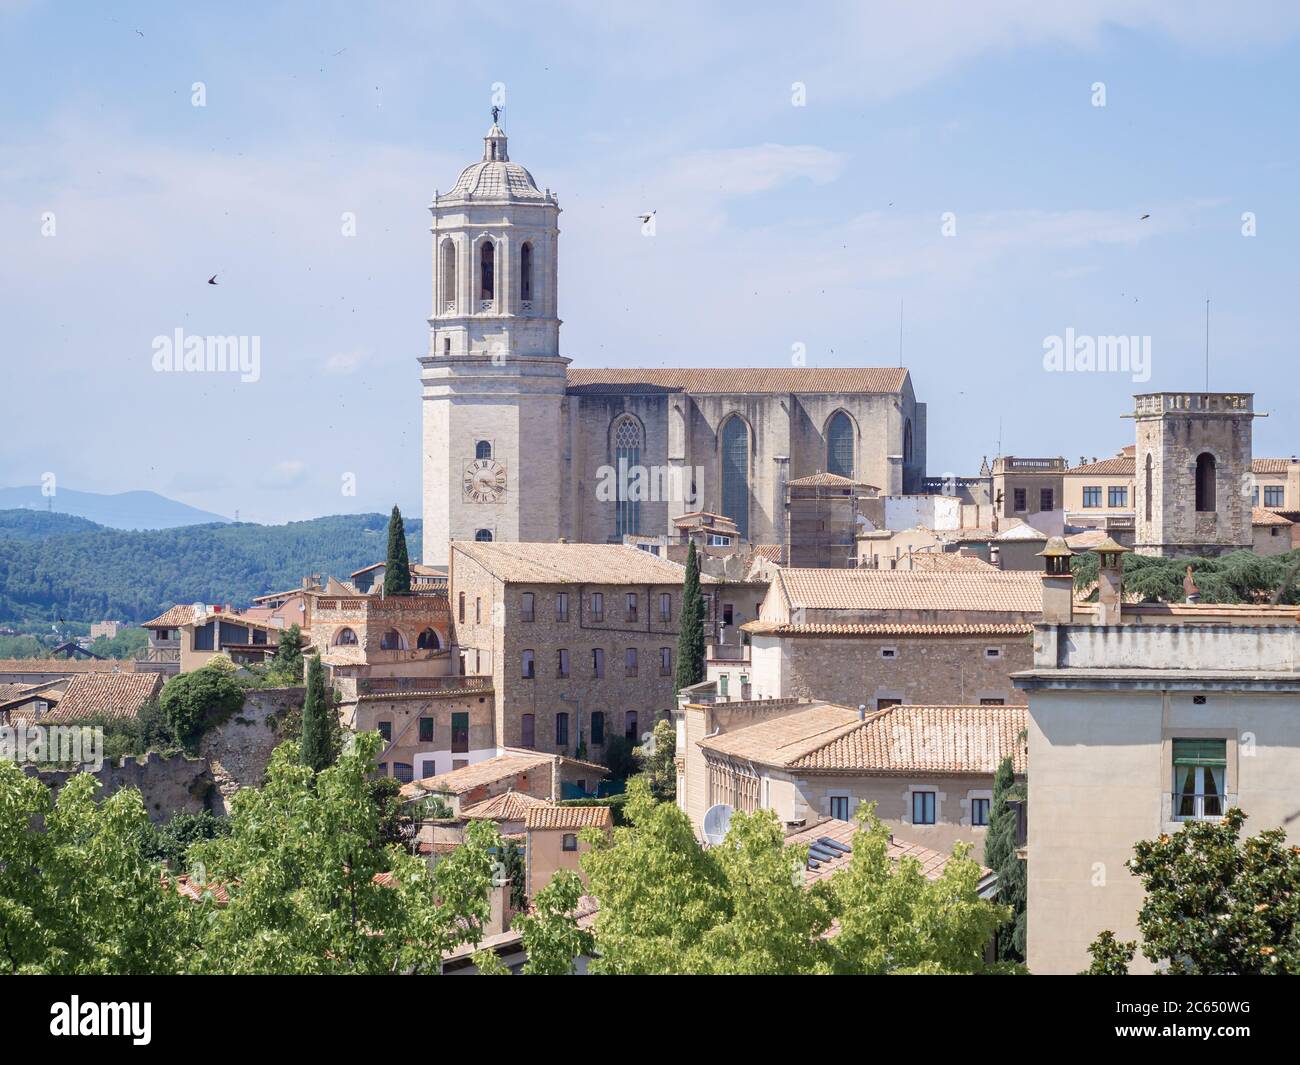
{"points": [[1205, 470], [839, 445], [448, 277], [428, 641], [392, 641], [907, 442], [735, 473], [488, 270], [526, 272], [483, 536], [626, 440], [345, 638], [1147, 487], [483, 449]]}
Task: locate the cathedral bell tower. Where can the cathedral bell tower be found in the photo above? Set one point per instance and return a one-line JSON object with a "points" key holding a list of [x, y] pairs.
{"points": [[493, 379]]}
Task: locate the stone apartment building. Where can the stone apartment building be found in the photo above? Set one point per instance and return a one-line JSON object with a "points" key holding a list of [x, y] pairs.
{"points": [[1027, 487], [381, 636], [579, 640], [928, 769], [1143, 717]]}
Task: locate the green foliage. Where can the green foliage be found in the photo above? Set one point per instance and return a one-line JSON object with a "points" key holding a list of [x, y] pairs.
{"points": [[397, 566], [196, 701], [106, 573], [690, 640], [22, 647], [1110, 956], [551, 937], [668, 905], [657, 759], [489, 963], [79, 896], [286, 666], [131, 737], [618, 757], [1215, 905], [300, 864], [1237, 577], [1000, 856], [127, 644], [394, 824], [171, 841], [317, 729]]}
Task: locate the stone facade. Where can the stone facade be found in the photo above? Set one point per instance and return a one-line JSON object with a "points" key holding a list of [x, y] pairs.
{"points": [[1193, 472], [239, 749], [171, 785], [871, 670], [494, 631], [382, 636]]}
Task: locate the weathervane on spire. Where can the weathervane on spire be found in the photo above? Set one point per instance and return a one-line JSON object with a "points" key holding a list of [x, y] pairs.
{"points": [[496, 113]]}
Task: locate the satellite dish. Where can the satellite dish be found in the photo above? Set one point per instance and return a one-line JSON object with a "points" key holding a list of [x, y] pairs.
{"points": [[717, 819]]}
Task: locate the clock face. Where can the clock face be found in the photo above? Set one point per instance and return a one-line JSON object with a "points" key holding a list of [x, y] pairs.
{"points": [[484, 481]]}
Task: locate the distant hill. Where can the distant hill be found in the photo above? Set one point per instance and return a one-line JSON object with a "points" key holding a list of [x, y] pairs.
{"points": [[125, 510], [86, 575], [39, 524]]}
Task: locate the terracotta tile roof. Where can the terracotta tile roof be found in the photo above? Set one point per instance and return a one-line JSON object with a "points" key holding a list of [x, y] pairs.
{"points": [[13, 691], [770, 552], [114, 695], [508, 806], [1086, 541], [66, 665], [568, 817], [1270, 465], [841, 833], [477, 774], [548, 563], [826, 480], [1118, 466], [1019, 533], [1260, 516], [196, 892], [866, 589], [949, 560], [171, 618], [729, 381], [900, 739], [888, 628]]}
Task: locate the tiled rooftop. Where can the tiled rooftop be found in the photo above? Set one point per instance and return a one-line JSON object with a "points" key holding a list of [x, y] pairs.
{"points": [[1117, 466], [567, 817], [887, 628], [550, 563], [1270, 465], [477, 774], [508, 806], [738, 381], [865, 589], [114, 695]]}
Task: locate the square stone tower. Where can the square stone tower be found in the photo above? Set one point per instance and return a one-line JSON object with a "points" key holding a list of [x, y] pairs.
{"points": [[1193, 472]]}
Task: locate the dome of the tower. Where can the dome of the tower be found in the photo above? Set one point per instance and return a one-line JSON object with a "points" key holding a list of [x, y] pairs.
{"points": [[495, 177]]}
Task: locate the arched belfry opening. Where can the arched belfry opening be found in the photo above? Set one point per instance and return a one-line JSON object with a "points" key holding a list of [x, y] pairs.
{"points": [[1206, 471]]}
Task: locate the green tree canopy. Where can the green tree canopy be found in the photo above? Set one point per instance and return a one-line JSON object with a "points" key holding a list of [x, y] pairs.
{"points": [[193, 702], [397, 566], [317, 728], [690, 640], [1000, 855], [1214, 905]]}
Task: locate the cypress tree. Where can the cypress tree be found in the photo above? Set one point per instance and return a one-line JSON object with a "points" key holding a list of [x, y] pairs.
{"points": [[397, 567], [690, 641], [1000, 856], [317, 735]]}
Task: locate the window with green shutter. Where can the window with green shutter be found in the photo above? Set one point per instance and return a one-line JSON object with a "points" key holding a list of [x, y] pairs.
{"points": [[1200, 778]]}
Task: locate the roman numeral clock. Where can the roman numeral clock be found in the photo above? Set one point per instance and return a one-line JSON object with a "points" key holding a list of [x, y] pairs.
{"points": [[484, 481]]}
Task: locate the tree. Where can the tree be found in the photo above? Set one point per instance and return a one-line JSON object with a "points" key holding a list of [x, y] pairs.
{"points": [[194, 702], [551, 936], [171, 841], [1110, 956], [657, 759], [317, 729], [313, 889], [1000, 855], [397, 567], [78, 893], [1214, 905], [668, 905], [288, 653], [690, 640], [618, 757]]}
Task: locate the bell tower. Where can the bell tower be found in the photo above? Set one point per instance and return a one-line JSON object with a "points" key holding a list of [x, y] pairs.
{"points": [[493, 379]]}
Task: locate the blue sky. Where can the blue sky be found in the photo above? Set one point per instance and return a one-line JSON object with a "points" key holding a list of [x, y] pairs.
{"points": [[777, 225]]}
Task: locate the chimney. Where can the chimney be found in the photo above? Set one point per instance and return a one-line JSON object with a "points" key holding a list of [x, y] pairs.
{"points": [[1058, 582], [498, 908], [1110, 582], [862, 711]]}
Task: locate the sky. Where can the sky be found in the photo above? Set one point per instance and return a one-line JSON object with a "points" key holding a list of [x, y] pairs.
{"points": [[976, 173]]}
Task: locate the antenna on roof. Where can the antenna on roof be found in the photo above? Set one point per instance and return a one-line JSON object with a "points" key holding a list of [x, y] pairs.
{"points": [[900, 332], [717, 820], [1207, 342]]}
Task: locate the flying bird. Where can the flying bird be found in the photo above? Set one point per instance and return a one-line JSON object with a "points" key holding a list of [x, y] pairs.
{"points": [[212, 280], [1144, 218], [646, 217]]}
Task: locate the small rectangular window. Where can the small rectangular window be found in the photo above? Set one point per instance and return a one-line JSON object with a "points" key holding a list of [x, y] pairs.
{"points": [[993, 652], [1200, 779], [426, 730], [597, 728], [840, 807], [979, 812], [1092, 495], [460, 732], [528, 665], [889, 652], [526, 607], [597, 661], [562, 606], [562, 729], [728, 613], [993, 701], [1019, 498], [1274, 495], [1045, 499], [922, 807], [631, 606], [528, 730], [1117, 496], [597, 606], [562, 663], [665, 606], [478, 610], [386, 730], [665, 661], [629, 661]]}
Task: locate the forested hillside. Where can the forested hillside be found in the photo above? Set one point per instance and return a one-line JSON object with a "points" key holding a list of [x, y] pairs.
{"points": [[81, 572]]}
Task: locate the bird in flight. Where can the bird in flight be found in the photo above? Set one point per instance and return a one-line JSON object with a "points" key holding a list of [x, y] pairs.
{"points": [[212, 280], [646, 217], [1144, 218]]}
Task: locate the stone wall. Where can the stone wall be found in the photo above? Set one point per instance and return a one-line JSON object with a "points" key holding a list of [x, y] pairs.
{"points": [[238, 750], [171, 785]]}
